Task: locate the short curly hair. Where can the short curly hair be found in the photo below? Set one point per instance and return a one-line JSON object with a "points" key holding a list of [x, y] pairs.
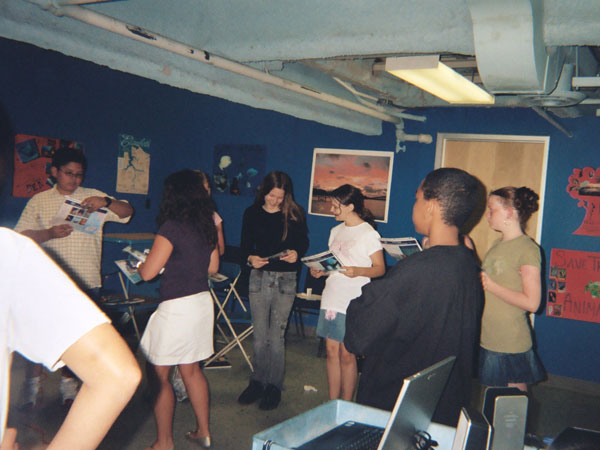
{"points": [[456, 192]]}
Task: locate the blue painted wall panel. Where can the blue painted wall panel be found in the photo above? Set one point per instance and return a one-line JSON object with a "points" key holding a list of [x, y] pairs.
{"points": [[48, 94]]}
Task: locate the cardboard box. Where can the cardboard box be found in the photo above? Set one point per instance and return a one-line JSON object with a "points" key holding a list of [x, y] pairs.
{"points": [[306, 426]]}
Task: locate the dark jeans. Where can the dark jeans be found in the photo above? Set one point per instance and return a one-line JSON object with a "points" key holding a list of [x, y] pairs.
{"points": [[271, 298]]}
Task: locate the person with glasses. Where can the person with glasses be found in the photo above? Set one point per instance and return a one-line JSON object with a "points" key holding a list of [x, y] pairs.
{"points": [[77, 253]]}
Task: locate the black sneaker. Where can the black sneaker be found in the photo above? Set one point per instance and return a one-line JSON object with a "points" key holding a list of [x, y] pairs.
{"points": [[271, 398], [253, 392]]}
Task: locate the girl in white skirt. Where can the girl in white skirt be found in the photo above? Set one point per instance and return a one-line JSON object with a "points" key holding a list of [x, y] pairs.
{"points": [[180, 332]]}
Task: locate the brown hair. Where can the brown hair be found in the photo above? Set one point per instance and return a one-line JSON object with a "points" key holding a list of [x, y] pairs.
{"points": [[523, 199], [289, 208]]}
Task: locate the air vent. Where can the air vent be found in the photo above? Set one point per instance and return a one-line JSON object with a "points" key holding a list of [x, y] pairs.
{"points": [[556, 99]]}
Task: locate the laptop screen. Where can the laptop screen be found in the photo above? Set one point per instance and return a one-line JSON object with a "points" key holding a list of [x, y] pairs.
{"points": [[416, 404]]}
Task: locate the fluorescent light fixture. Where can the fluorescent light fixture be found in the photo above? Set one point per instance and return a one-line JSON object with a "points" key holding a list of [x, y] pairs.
{"points": [[431, 75]]}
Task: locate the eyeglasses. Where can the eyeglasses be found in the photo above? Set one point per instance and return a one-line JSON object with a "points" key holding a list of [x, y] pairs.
{"points": [[72, 174]]}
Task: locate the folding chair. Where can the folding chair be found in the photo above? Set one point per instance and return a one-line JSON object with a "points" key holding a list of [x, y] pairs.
{"points": [[308, 302], [223, 286]]}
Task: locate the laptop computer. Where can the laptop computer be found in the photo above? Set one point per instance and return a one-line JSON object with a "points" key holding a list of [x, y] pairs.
{"points": [[412, 413]]}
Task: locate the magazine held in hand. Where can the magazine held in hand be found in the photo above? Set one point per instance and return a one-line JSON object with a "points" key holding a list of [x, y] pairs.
{"points": [[129, 266], [400, 248], [81, 219], [326, 261]]}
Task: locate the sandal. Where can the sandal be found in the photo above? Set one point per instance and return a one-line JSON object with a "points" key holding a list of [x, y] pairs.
{"points": [[203, 441]]}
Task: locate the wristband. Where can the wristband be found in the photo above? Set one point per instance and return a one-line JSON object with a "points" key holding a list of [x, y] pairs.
{"points": [[108, 201]]}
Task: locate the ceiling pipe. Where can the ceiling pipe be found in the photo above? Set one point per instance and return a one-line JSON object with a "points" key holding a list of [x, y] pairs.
{"points": [[359, 97], [401, 136], [551, 120], [148, 37]]}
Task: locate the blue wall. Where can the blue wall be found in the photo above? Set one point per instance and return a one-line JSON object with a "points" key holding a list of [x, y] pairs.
{"points": [[48, 94]]}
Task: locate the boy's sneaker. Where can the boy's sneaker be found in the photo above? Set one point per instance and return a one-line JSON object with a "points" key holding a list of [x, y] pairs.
{"points": [[32, 392], [68, 390], [178, 385]]}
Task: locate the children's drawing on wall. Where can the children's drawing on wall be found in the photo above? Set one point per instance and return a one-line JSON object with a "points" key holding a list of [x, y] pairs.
{"points": [[574, 285], [33, 158], [584, 185], [238, 168], [371, 171], [133, 173]]}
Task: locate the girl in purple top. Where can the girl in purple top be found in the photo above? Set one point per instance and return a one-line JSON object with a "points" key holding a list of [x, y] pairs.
{"points": [[180, 332]]}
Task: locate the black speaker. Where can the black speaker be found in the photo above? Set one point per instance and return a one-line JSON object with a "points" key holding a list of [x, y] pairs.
{"points": [[506, 410], [473, 431]]}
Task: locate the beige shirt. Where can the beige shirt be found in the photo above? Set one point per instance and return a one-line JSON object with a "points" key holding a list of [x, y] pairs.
{"points": [[79, 254], [504, 327]]}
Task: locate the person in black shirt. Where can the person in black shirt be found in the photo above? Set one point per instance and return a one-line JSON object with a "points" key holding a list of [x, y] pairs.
{"points": [[427, 307], [273, 225]]}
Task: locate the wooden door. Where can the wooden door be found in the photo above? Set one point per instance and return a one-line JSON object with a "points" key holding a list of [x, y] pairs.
{"points": [[497, 161]]}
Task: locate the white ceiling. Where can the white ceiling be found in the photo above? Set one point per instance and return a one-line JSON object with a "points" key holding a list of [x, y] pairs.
{"points": [[519, 48]]}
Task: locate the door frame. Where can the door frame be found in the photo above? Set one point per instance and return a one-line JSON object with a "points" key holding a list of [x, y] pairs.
{"points": [[443, 138]]}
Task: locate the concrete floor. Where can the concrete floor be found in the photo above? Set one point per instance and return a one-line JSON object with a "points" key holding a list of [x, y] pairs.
{"points": [[232, 425]]}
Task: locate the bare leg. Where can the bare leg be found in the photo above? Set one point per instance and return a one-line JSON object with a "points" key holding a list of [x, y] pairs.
{"points": [[349, 373], [520, 386], [334, 370], [164, 407], [197, 388]]}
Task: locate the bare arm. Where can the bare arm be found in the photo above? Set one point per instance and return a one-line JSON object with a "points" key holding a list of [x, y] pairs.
{"points": [[220, 239], [55, 232], [119, 207], [157, 258], [528, 299], [213, 266], [110, 375], [376, 270]]}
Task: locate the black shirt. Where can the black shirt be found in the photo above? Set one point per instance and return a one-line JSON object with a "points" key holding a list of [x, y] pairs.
{"points": [[426, 308], [261, 235]]}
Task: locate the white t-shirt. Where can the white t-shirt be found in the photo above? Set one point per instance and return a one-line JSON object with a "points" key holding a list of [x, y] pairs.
{"points": [[42, 312], [355, 245]]}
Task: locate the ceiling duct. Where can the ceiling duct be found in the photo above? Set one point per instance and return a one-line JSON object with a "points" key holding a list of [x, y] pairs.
{"points": [[511, 55], [563, 95]]}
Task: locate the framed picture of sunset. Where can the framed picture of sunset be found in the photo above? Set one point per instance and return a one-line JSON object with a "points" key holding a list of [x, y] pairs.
{"points": [[371, 171]]}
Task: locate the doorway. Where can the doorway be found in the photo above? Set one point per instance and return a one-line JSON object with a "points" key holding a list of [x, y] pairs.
{"points": [[497, 161]]}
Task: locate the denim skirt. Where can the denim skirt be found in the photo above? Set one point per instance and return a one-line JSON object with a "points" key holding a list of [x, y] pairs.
{"points": [[334, 329], [499, 369]]}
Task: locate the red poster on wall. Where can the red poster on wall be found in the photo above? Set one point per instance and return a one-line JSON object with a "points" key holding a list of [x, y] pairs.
{"points": [[574, 285], [33, 157]]}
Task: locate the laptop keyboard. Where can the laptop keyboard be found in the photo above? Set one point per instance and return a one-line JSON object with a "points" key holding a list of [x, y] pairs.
{"points": [[368, 440]]}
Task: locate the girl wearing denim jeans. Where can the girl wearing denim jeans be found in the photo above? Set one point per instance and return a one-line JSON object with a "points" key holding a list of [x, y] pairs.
{"points": [[274, 238]]}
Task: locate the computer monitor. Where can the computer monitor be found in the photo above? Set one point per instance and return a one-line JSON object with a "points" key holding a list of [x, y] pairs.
{"points": [[416, 404]]}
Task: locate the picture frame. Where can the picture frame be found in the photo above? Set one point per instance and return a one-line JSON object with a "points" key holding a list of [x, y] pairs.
{"points": [[368, 170]]}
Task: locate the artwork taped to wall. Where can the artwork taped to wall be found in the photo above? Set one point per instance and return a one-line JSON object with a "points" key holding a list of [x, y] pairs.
{"points": [[238, 169], [133, 173], [584, 186], [33, 159], [574, 285], [371, 171]]}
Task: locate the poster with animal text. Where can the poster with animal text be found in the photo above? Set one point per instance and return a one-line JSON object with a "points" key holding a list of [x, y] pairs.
{"points": [[33, 159], [574, 285]]}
